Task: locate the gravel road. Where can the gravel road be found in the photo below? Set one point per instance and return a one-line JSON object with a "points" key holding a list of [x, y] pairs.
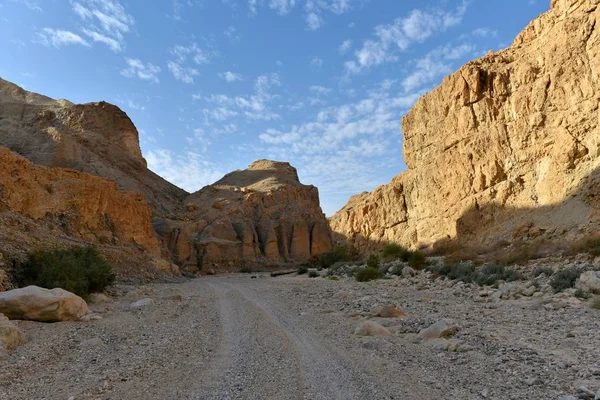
{"points": [[235, 337]]}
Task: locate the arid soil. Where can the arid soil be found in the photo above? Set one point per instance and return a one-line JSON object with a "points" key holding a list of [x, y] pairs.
{"points": [[256, 337]]}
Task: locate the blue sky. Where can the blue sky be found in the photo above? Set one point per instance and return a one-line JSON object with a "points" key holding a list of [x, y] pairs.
{"points": [[213, 85]]}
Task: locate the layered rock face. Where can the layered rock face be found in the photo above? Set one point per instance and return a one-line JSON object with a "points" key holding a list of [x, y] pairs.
{"points": [[260, 215], [97, 138], [507, 147], [76, 204]]}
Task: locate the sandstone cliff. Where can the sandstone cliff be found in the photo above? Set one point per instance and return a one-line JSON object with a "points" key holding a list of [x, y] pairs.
{"points": [[507, 147], [97, 138], [262, 215]]}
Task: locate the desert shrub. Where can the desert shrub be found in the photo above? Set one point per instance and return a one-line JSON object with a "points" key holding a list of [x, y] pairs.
{"points": [[490, 274], [244, 269], [303, 269], [80, 270], [395, 251], [333, 278], [417, 260], [565, 279], [313, 274], [341, 252], [373, 261], [367, 274], [542, 271], [590, 245], [595, 302], [580, 294]]}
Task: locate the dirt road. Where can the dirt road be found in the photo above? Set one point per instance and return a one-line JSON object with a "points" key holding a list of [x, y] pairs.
{"points": [[234, 337]]}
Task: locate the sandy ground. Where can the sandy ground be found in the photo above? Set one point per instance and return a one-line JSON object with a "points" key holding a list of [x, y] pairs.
{"points": [[235, 337]]}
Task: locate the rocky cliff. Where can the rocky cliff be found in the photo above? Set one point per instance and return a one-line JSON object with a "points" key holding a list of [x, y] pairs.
{"points": [[97, 138], [261, 215], [507, 147]]}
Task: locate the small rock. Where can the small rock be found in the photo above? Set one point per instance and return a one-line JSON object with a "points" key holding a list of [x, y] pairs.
{"points": [[10, 335], [533, 381], [95, 342], [440, 329], [141, 303], [529, 291], [597, 396], [371, 328], [99, 298], [341, 294], [408, 272], [389, 312], [589, 281]]}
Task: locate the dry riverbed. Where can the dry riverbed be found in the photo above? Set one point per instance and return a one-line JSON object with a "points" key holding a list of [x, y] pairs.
{"points": [[236, 337]]}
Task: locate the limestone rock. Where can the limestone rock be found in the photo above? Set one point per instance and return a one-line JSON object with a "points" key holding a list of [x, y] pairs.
{"points": [[259, 215], [142, 303], [589, 281], [10, 335], [44, 305], [505, 148], [371, 328], [440, 329]]}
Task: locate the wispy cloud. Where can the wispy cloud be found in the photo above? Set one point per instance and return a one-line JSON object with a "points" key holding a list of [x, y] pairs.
{"points": [[137, 69], [186, 55], [316, 62], [345, 46], [106, 21], [190, 171], [230, 77], [59, 38], [232, 34], [398, 36], [313, 9]]}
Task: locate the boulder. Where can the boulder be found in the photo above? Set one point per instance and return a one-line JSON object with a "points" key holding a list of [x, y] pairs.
{"points": [[44, 305], [408, 272], [440, 329], [10, 335], [589, 281], [371, 328]]}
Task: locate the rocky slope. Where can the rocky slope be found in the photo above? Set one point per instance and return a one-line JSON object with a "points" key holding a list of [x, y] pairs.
{"points": [[505, 148], [261, 215]]}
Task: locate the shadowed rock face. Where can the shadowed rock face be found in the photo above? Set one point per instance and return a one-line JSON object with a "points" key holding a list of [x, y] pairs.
{"points": [[515, 130], [260, 215]]}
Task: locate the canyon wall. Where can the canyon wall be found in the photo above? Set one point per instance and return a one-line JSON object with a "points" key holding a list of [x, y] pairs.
{"points": [[505, 148]]}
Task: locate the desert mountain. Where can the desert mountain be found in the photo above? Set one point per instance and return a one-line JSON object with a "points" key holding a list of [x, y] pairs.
{"points": [[81, 175], [505, 148]]}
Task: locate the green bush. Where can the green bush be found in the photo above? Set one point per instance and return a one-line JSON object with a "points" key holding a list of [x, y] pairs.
{"points": [[395, 251], [80, 270], [594, 248], [313, 274], [367, 274], [373, 261], [333, 278], [565, 279], [492, 273], [417, 260], [542, 270], [595, 302], [303, 269], [341, 252], [580, 294]]}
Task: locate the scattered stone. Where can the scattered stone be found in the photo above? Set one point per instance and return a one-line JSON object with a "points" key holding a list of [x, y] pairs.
{"points": [[99, 298], [10, 335], [589, 281], [408, 272], [341, 294], [533, 381], [529, 291], [95, 342], [371, 328], [44, 305], [388, 312], [142, 303], [440, 329]]}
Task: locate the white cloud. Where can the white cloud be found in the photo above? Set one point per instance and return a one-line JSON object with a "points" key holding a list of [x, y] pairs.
{"points": [[106, 21], [184, 55], [345, 46], [33, 5], [59, 38], [136, 68], [231, 34], [389, 39], [314, 21], [316, 62], [435, 64], [230, 77], [190, 171], [282, 6], [484, 32], [183, 74]]}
